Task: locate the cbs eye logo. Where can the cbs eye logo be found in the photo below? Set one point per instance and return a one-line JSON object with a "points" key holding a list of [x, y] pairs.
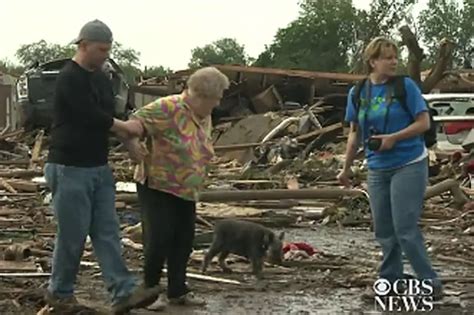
{"points": [[382, 287]]}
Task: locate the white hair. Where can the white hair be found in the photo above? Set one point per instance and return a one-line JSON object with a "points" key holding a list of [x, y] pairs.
{"points": [[208, 82]]}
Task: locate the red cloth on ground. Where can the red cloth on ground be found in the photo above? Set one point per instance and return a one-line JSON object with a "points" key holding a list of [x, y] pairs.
{"points": [[310, 250]]}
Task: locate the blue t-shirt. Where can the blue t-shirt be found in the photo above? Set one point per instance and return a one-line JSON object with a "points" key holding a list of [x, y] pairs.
{"points": [[404, 151]]}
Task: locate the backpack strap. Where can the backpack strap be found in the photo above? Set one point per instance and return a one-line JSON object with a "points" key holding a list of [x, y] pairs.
{"points": [[356, 95], [400, 93]]}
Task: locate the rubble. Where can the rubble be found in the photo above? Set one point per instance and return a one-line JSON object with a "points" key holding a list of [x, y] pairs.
{"points": [[275, 168]]}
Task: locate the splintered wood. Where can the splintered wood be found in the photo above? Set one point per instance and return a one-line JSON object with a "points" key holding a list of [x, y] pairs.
{"points": [[7, 186], [37, 149]]}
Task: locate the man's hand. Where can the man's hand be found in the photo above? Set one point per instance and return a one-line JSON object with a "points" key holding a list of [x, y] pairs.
{"points": [[344, 177], [127, 129], [136, 149], [388, 142]]}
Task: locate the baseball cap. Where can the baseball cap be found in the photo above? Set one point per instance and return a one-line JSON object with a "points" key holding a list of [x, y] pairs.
{"points": [[95, 31]]}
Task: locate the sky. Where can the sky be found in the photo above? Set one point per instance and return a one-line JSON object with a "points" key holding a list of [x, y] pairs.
{"points": [[163, 31]]}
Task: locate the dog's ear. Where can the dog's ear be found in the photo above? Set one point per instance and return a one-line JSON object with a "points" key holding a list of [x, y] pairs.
{"points": [[268, 238], [281, 236]]}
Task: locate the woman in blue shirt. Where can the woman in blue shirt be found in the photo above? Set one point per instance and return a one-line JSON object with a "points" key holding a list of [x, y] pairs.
{"points": [[398, 168]]}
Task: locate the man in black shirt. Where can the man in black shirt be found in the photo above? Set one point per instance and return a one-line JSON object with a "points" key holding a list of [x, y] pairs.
{"points": [[80, 179]]}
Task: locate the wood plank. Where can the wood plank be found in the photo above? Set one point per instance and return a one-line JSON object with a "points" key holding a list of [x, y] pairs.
{"points": [[19, 173], [23, 185], [319, 132], [14, 266], [6, 212], [25, 275]]}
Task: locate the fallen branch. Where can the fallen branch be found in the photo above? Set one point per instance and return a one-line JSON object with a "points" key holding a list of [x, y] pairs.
{"points": [[437, 72], [269, 194], [448, 185], [415, 53]]}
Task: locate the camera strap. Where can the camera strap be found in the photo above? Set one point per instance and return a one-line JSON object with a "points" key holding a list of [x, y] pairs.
{"points": [[388, 100]]}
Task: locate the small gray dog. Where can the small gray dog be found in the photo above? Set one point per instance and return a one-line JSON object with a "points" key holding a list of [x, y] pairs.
{"points": [[250, 240]]}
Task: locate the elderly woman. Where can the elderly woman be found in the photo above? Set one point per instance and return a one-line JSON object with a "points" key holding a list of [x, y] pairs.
{"points": [[170, 176], [397, 160]]}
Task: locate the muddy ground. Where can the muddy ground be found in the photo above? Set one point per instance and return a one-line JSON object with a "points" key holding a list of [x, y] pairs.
{"points": [[332, 284]]}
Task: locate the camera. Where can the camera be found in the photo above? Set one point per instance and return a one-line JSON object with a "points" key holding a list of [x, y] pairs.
{"points": [[374, 143]]}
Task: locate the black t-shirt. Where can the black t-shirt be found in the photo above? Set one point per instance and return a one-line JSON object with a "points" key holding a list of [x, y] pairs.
{"points": [[82, 116]]}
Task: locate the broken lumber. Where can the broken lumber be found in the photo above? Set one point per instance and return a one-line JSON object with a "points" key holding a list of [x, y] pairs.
{"points": [[23, 162], [11, 134], [448, 185], [20, 173], [204, 221], [319, 132], [7, 186], [129, 243]]}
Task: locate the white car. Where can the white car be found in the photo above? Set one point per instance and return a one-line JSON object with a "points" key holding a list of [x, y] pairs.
{"points": [[451, 104], [454, 114]]}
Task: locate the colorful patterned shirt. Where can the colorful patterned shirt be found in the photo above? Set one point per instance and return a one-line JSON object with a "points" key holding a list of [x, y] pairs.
{"points": [[179, 147]]}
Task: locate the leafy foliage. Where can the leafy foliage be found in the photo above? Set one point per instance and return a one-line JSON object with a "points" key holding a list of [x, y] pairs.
{"points": [[6, 66], [449, 19], [156, 71], [316, 40], [43, 51], [222, 51]]}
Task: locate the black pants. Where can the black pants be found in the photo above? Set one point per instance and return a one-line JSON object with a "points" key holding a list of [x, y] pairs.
{"points": [[168, 234]]}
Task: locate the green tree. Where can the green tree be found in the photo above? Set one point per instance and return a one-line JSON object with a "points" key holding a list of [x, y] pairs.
{"points": [[448, 19], [127, 58], [222, 51], [331, 35], [156, 71], [316, 40], [383, 18], [6, 66], [42, 51]]}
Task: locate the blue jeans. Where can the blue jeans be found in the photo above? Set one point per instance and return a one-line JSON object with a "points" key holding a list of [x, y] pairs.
{"points": [[84, 204], [396, 200]]}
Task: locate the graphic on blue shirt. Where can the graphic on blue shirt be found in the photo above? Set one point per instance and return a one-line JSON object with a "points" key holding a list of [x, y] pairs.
{"points": [[372, 117]]}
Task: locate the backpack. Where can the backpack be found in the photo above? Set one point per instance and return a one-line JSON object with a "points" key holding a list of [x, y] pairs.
{"points": [[399, 93]]}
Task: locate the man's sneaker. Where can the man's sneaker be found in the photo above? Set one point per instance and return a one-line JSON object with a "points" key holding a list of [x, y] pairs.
{"points": [[68, 305], [368, 294], [160, 304], [438, 293], [188, 299], [140, 297]]}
